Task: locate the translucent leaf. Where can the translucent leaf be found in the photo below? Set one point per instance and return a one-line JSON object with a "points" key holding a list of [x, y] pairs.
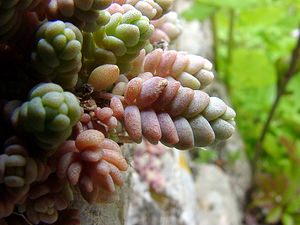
{"points": [[258, 17], [287, 219], [252, 68], [274, 215], [293, 205], [199, 11], [271, 146], [234, 4]]}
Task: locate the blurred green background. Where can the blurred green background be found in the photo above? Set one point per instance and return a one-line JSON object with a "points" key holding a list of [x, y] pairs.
{"points": [[257, 57]]}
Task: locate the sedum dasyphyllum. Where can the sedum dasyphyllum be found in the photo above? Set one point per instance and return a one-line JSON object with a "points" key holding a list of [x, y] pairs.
{"points": [[167, 28], [100, 119], [160, 109], [153, 9], [49, 115], [93, 163], [190, 70], [119, 88], [46, 199], [17, 172], [18, 169], [119, 41], [58, 53], [13, 14], [148, 164], [85, 14]]}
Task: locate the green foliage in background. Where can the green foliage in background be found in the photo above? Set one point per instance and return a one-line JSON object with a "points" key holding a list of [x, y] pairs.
{"points": [[253, 44]]}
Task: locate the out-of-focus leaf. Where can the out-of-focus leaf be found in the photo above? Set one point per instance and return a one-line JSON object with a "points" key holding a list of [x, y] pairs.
{"points": [[252, 80], [260, 17], [287, 219], [290, 192], [274, 215], [233, 4], [284, 164], [252, 69], [199, 12], [296, 218], [291, 149], [294, 205], [271, 146]]}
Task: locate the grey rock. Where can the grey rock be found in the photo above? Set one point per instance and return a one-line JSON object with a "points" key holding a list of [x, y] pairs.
{"points": [[142, 209], [216, 198], [176, 205]]}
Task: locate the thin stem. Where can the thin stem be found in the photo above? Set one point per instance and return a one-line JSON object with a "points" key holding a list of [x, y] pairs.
{"points": [[230, 45], [281, 88]]}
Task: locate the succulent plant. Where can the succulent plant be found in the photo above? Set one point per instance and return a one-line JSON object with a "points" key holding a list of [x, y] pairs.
{"points": [[162, 110], [167, 28], [86, 14], [103, 77], [119, 90], [191, 71], [120, 40], [49, 115], [148, 164], [46, 199], [100, 119], [11, 16], [58, 53], [18, 170], [153, 9], [92, 162]]}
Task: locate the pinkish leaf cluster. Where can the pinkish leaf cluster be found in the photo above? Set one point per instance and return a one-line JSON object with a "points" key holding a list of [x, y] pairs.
{"points": [[148, 164], [93, 163]]}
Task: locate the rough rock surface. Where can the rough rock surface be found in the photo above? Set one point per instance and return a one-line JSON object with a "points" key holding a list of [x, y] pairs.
{"points": [[200, 43], [204, 197], [176, 205], [215, 197]]}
